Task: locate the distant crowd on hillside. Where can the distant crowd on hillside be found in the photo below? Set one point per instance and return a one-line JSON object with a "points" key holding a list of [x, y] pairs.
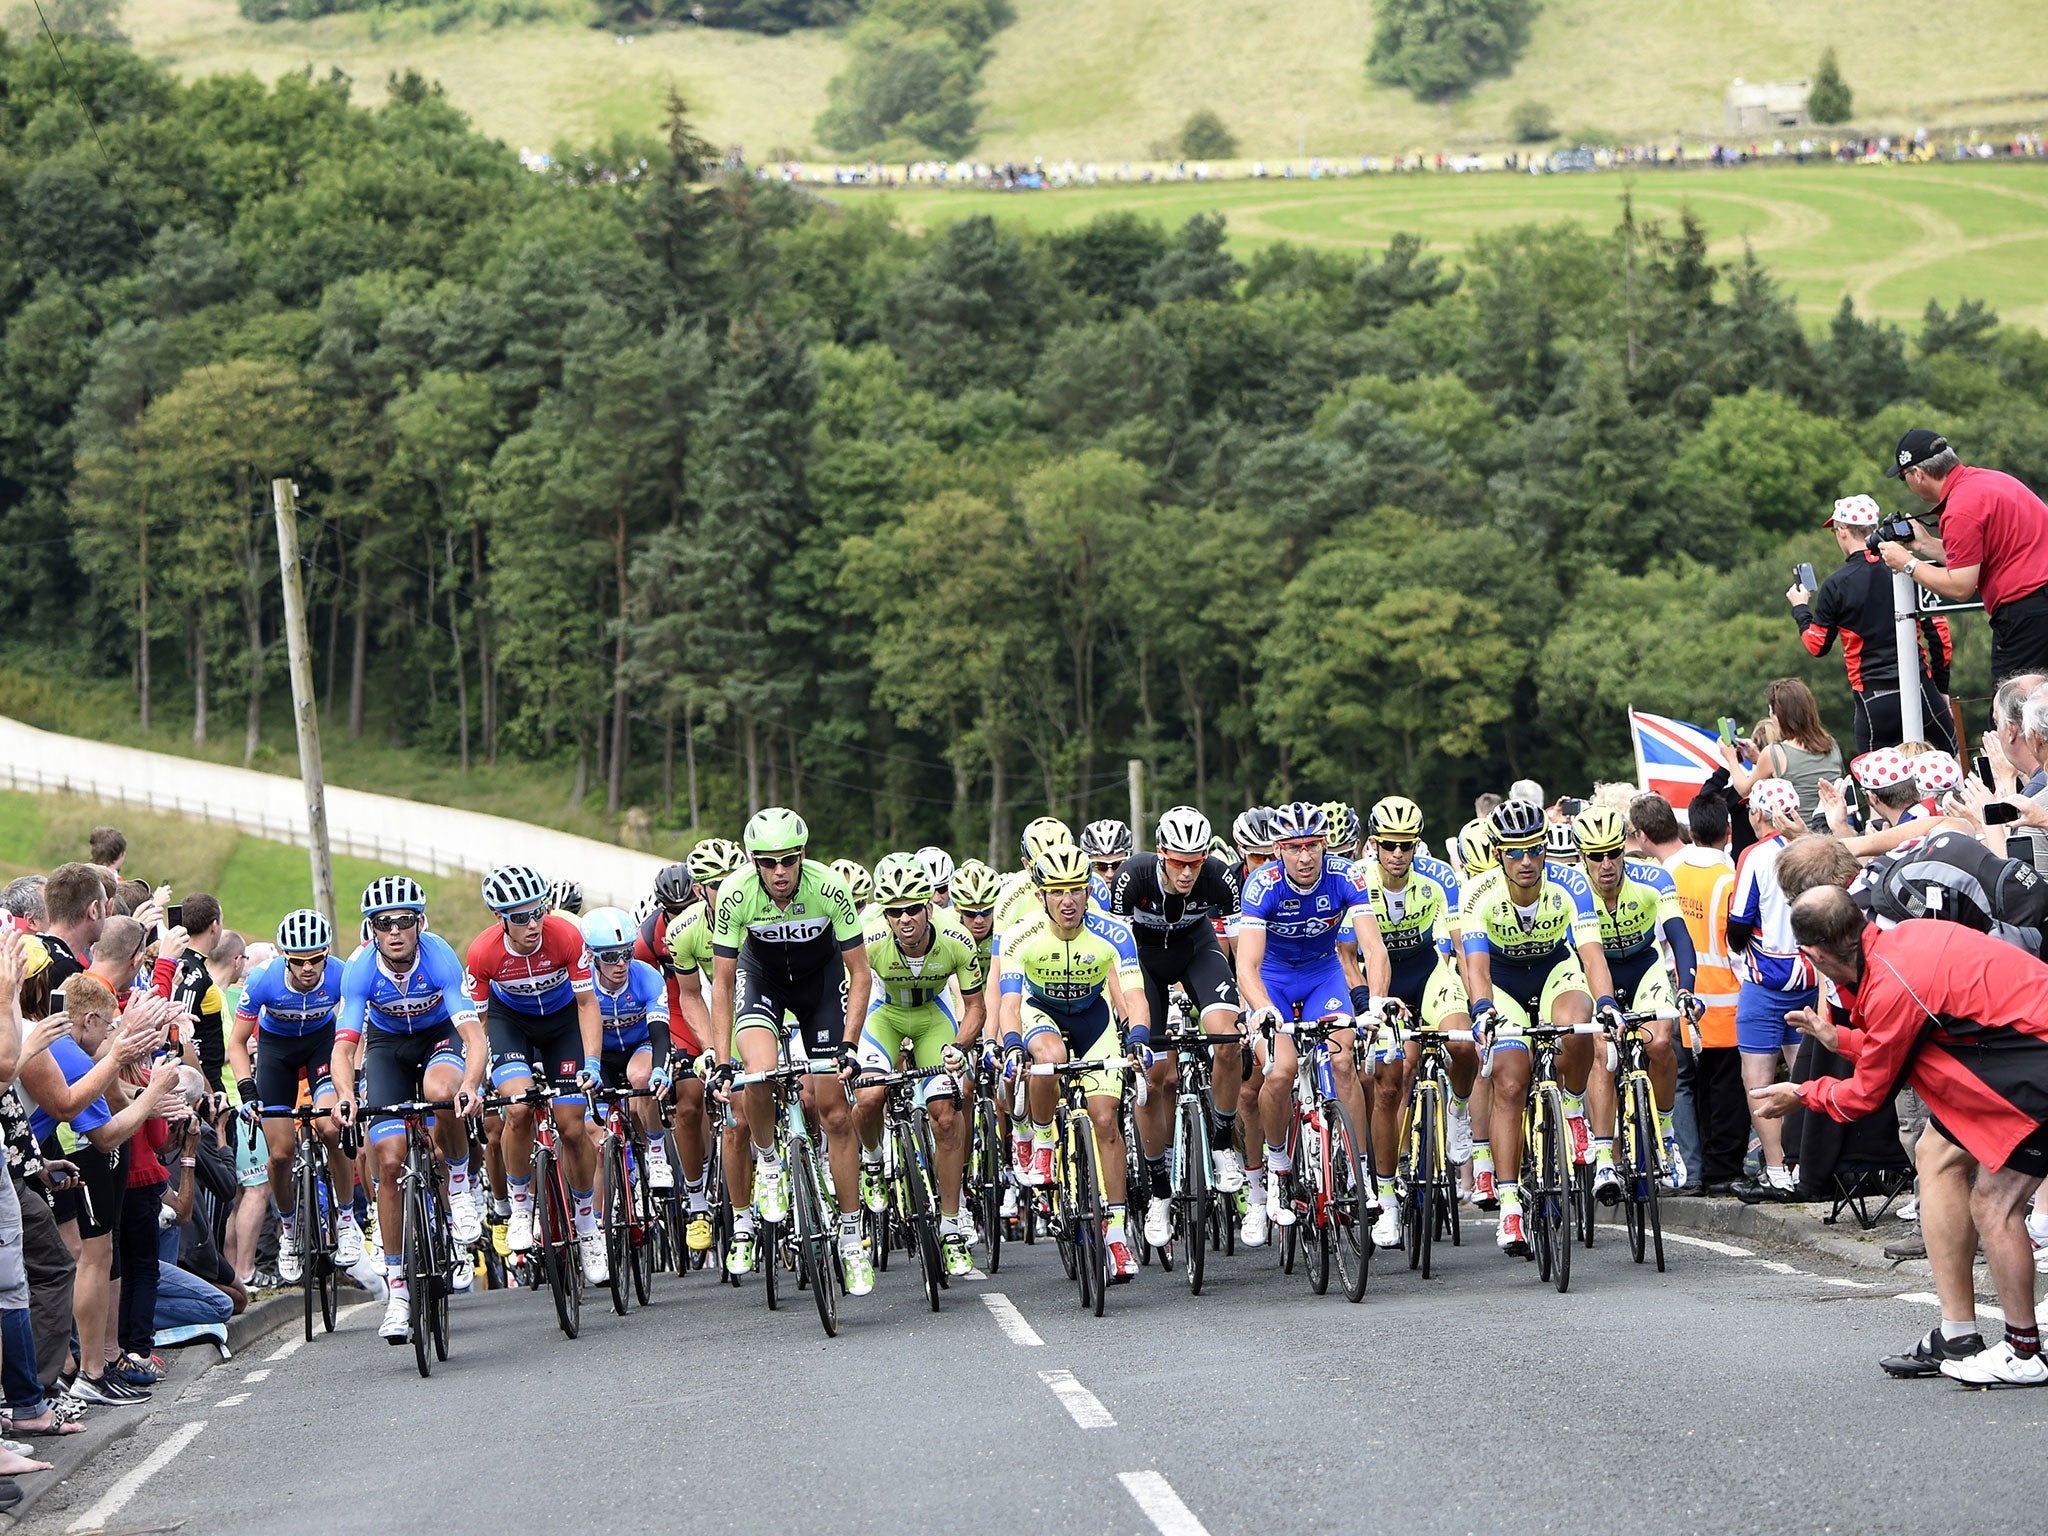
{"points": [[1039, 173]]}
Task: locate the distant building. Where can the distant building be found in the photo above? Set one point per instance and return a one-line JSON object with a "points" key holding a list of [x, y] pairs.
{"points": [[1754, 107]]}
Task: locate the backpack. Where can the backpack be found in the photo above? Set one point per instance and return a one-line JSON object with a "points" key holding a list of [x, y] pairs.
{"points": [[1954, 878]]}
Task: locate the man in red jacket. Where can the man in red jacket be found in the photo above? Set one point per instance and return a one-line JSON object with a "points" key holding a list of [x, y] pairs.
{"points": [[1963, 1018]]}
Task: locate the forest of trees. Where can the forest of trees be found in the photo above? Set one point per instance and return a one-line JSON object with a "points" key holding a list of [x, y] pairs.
{"points": [[713, 492]]}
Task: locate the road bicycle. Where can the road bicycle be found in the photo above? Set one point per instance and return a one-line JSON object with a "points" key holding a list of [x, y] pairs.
{"points": [[1638, 1143], [1080, 1207], [313, 1234], [1427, 1178], [630, 1213], [1328, 1186], [808, 1231], [910, 1173], [425, 1239], [1199, 1214], [1549, 1176], [982, 1184], [554, 1235]]}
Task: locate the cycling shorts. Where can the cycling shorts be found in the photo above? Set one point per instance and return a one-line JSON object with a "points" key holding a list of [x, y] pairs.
{"points": [[929, 1029], [1090, 1036], [1444, 998], [1413, 975], [282, 1059], [1642, 982], [1306, 991], [616, 1062], [395, 1068], [1526, 991], [523, 1042], [1195, 960], [817, 1001]]}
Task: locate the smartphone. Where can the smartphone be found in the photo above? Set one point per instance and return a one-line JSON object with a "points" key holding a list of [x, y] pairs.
{"points": [[1803, 574], [1997, 814], [1570, 806], [1982, 766], [1862, 802], [1728, 730], [174, 915]]}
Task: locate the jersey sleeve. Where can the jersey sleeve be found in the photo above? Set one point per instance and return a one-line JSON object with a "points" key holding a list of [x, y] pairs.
{"points": [[476, 980], [255, 993], [1257, 900], [728, 925], [437, 956], [355, 995], [1118, 933], [580, 978], [654, 992], [1585, 907]]}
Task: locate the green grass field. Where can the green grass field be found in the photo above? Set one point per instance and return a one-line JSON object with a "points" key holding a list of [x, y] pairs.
{"points": [[1891, 237], [1111, 79], [257, 881]]}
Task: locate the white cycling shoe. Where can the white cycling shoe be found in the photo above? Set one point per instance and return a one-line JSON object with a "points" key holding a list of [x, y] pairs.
{"points": [[289, 1269], [595, 1270], [348, 1245], [1386, 1232], [397, 1325], [1159, 1222], [1458, 1141], [519, 1229], [463, 1218], [1252, 1231], [1279, 1209], [1229, 1171]]}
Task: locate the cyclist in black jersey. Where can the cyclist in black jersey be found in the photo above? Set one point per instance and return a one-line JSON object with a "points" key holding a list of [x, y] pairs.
{"points": [[1173, 899]]}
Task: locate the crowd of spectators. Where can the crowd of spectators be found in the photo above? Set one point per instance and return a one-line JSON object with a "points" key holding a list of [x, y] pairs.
{"points": [[134, 1207]]}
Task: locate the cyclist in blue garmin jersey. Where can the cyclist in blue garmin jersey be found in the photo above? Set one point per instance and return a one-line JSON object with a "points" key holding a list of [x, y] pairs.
{"points": [[1300, 917], [406, 1019], [632, 1001]]}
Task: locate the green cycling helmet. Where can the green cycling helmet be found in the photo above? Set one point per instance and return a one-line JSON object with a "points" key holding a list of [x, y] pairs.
{"points": [[775, 830], [857, 879], [902, 878]]}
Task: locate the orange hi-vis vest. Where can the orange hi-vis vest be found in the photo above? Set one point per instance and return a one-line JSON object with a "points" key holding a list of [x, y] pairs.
{"points": [[1705, 879]]}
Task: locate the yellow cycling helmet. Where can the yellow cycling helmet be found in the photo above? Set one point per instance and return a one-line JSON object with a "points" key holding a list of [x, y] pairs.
{"points": [[857, 879], [1340, 824], [1475, 848], [1062, 867], [1600, 829], [900, 879], [1041, 833], [715, 858], [974, 886], [1395, 816]]}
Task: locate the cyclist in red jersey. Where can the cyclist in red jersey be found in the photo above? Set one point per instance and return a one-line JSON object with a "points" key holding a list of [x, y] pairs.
{"points": [[531, 979]]}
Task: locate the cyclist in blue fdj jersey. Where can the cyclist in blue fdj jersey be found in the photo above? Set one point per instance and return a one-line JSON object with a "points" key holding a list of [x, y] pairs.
{"points": [[291, 1003], [1297, 911], [632, 1001], [406, 1018]]}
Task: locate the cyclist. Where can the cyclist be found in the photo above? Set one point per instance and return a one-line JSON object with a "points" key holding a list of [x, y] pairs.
{"points": [[1106, 844], [1530, 934], [1638, 904], [632, 1002], [974, 902], [687, 951], [858, 881], [407, 1020], [939, 865], [1415, 903], [1561, 844], [531, 978], [786, 939], [1251, 835], [675, 888], [566, 897], [292, 1001], [1292, 965], [1064, 983], [1472, 852], [914, 948], [1170, 898], [1340, 829]]}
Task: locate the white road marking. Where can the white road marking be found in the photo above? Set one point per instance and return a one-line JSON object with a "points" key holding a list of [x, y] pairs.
{"points": [[1083, 1406], [1776, 1268], [1728, 1250], [235, 1401], [116, 1498], [253, 1377], [1010, 1320], [1929, 1299], [1859, 1285], [287, 1349], [1162, 1506]]}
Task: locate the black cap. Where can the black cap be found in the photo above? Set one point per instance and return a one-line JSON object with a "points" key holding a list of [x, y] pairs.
{"points": [[1916, 447]]}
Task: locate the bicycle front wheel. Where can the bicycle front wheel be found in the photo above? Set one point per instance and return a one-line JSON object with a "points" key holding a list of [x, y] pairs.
{"points": [[305, 1237], [1191, 1189], [1349, 1225], [556, 1243], [618, 1236], [814, 1243], [924, 1207], [1422, 1177], [419, 1266], [988, 1180], [1556, 1176]]}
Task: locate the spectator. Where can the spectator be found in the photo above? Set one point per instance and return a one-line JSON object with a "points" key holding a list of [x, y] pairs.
{"points": [[1710, 1093], [130, 896], [1855, 602], [194, 988], [2016, 762], [1526, 789], [1802, 755], [1964, 1019], [1993, 545], [117, 955], [196, 1290], [74, 908], [1482, 805], [24, 899], [135, 1239], [1900, 796], [1777, 980], [45, 1256], [107, 848], [1817, 859], [71, 1087]]}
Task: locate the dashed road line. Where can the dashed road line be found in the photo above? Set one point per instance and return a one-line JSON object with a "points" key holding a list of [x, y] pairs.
{"points": [[253, 1377], [1162, 1506], [1726, 1250], [287, 1349], [1854, 1285], [1083, 1406], [116, 1498], [1929, 1299], [1010, 1320], [1777, 1268], [234, 1401]]}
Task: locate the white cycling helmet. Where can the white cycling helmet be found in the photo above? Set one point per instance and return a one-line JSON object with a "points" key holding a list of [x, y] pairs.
{"points": [[1107, 839], [938, 864], [1185, 831]]}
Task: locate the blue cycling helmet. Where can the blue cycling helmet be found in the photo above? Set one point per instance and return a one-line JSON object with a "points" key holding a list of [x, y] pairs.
{"points": [[393, 893], [609, 928], [512, 886], [1297, 820]]}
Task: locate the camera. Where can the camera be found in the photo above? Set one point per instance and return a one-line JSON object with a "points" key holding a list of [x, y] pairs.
{"points": [[1890, 530]]}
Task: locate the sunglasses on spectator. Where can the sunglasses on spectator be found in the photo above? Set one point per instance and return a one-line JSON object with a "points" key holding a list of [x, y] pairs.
{"points": [[784, 861], [612, 956], [909, 909], [395, 922]]}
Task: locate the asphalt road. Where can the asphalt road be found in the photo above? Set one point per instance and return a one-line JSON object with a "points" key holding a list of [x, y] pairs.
{"points": [[1738, 1392]]}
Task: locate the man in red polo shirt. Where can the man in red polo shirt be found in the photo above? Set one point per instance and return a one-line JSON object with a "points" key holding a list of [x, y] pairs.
{"points": [[1963, 1018], [1994, 544]]}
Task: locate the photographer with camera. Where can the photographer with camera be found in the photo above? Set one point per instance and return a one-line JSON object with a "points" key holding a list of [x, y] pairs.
{"points": [[1993, 545], [1855, 602]]}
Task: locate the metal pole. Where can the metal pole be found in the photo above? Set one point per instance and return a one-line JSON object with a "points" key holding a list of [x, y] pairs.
{"points": [[1906, 616], [1135, 769], [305, 714]]}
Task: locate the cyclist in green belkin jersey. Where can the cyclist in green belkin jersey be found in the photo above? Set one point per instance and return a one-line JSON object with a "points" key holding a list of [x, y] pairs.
{"points": [[914, 949], [786, 940], [688, 943]]}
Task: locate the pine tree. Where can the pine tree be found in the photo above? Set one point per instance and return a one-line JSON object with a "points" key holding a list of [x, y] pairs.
{"points": [[1831, 100]]}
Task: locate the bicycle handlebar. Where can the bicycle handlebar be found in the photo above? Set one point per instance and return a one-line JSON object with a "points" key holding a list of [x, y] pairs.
{"points": [[1082, 1068], [810, 1066]]}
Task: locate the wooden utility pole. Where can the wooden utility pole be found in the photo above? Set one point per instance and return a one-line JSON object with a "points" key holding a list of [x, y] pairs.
{"points": [[305, 713], [1135, 769]]}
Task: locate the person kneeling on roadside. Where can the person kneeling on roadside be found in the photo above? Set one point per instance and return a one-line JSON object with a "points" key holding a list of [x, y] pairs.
{"points": [[1963, 1018]]}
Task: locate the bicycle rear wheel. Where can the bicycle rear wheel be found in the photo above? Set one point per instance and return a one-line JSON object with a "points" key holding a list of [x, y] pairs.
{"points": [[1092, 1238], [1312, 1191], [437, 1294], [618, 1236], [556, 1243], [648, 1223], [1555, 1173], [330, 1272], [988, 1180], [814, 1255], [1348, 1224]]}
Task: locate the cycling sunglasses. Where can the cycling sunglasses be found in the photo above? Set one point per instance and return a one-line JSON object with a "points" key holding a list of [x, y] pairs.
{"points": [[612, 956], [909, 909], [1394, 844], [1606, 856], [395, 922], [1178, 861], [785, 861], [521, 919], [1533, 851]]}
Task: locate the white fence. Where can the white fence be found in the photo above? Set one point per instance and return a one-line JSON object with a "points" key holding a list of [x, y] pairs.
{"points": [[406, 834]]}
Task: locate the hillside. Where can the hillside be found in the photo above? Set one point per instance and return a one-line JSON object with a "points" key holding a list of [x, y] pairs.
{"points": [[1111, 79]]}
